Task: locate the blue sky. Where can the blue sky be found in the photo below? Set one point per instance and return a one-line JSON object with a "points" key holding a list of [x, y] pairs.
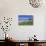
{"points": [[25, 17]]}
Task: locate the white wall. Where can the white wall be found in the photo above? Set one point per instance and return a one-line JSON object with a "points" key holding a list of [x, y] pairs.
{"points": [[45, 29], [12, 8]]}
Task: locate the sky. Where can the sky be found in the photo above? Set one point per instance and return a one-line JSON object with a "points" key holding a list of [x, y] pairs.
{"points": [[25, 17]]}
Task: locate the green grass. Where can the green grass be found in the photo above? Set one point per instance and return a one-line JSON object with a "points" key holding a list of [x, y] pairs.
{"points": [[29, 22]]}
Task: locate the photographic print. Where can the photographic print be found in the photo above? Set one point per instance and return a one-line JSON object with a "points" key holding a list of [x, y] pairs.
{"points": [[25, 20]]}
